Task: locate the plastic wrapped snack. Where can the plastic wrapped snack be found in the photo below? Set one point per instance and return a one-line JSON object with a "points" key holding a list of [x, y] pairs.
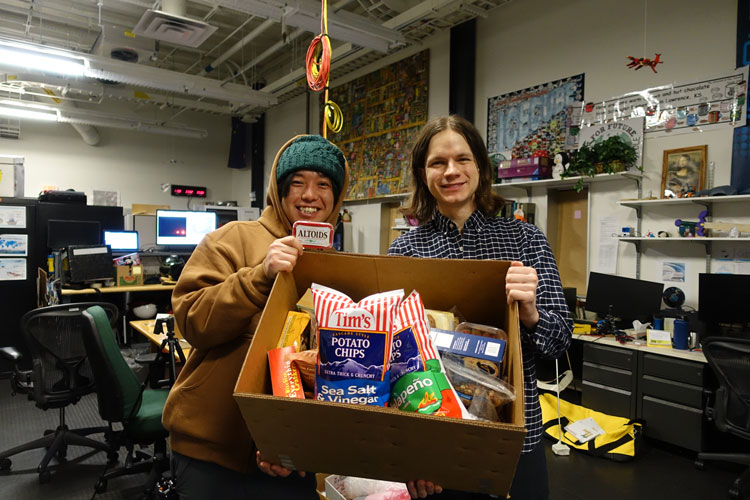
{"points": [[354, 346], [418, 380], [472, 382]]}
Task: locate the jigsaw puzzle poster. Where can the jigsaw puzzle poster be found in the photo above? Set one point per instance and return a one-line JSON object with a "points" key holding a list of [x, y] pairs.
{"points": [[523, 121]]}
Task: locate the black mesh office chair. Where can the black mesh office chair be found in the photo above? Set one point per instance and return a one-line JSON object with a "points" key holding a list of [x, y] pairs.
{"points": [[59, 377], [730, 360]]}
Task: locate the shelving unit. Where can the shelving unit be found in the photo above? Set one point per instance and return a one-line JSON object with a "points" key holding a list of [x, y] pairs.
{"points": [[569, 182], [705, 201], [526, 186]]}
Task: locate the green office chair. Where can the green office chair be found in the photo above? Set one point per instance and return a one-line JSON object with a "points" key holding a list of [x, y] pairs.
{"points": [[123, 399]]}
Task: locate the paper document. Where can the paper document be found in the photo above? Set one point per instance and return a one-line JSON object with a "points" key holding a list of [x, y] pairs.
{"points": [[584, 430]]}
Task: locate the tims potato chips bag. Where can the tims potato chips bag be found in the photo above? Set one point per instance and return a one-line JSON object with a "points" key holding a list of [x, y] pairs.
{"points": [[354, 345], [418, 380]]}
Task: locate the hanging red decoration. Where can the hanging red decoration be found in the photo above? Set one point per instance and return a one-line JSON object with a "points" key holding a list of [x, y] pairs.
{"points": [[639, 62]]}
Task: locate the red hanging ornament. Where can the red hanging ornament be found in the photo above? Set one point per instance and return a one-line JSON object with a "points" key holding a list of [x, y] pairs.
{"points": [[639, 62]]}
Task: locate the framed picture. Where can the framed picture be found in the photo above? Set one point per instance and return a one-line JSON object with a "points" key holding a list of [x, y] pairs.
{"points": [[684, 171]]}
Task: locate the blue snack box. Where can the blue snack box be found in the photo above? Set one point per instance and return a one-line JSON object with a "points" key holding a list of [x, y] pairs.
{"points": [[468, 345]]}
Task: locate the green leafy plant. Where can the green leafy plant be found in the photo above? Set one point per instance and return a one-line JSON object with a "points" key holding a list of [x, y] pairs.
{"points": [[609, 155]]}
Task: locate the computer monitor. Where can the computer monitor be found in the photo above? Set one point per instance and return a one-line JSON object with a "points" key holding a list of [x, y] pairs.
{"points": [[64, 233], [183, 228], [723, 304], [629, 299], [121, 241]]}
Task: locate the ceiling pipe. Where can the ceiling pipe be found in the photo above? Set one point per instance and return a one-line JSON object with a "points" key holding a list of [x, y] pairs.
{"points": [[176, 7], [237, 46], [88, 133]]}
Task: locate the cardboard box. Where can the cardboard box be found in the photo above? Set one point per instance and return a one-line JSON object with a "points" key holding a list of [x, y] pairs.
{"points": [[383, 443], [536, 166], [129, 275]]}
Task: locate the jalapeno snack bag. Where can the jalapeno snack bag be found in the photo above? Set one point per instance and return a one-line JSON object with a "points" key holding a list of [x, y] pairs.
{"points": [[418, 380], [354, 346]]}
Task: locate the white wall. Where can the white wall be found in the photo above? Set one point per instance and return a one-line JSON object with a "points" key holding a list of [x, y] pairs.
{"points": [[135, 163]]}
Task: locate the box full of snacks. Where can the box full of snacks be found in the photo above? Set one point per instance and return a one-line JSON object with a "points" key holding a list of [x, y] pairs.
{"points": [[374, 439]]}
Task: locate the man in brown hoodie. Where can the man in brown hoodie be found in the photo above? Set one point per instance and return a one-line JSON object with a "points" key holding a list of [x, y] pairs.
{"points": [[217, 304]]}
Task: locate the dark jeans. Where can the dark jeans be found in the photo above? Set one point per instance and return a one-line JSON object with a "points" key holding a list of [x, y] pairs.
{"points": [[529, 483], [198, 480]]}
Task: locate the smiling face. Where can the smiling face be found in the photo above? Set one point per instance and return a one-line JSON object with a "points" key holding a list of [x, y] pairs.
{"points": [[310, 197], [451, 173]]}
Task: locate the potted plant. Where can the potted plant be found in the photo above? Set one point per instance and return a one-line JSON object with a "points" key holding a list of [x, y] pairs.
{"points": [[609, 155]]}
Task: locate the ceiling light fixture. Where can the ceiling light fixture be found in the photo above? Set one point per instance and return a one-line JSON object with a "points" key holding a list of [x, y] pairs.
{"points": [[47, 62], [27, 113]]}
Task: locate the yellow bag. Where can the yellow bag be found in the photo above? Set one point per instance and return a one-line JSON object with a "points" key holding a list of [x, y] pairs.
{"points": [[621, 439]]}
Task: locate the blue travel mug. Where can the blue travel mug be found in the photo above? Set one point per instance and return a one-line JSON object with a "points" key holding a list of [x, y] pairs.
{"points": [[658, 323], [681, 335]]}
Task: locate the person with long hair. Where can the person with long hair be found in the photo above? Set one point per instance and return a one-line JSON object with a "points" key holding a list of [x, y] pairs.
{"points": [[453, 200]]}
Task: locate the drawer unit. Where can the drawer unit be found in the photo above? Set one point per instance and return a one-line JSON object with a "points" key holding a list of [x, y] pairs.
{"points": [[676, 369], [608, 400], [671, 399], [610, 356], [673, 423], [609, 382]]}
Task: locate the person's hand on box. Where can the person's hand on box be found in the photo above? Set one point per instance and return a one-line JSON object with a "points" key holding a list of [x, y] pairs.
{"points": [[282, 255], [274, 470], [520, 286], [422, 488]]}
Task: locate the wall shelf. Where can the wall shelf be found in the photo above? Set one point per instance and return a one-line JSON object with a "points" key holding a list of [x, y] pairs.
{"points": [[569, 182], [705, 201]]}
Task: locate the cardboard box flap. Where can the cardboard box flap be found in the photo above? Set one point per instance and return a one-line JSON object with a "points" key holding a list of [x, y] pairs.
{"points": [[384, 443]]}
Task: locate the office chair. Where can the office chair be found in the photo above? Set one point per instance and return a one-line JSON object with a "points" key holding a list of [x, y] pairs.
{"points": [[123, 399], [730, 360], [59, 377]]}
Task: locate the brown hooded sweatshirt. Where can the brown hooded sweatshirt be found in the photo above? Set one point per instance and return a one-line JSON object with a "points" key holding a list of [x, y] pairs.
{"points": [[217, 305]]}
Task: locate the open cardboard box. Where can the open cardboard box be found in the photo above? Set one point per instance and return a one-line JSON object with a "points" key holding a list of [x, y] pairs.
{"points": [[384, 443]]}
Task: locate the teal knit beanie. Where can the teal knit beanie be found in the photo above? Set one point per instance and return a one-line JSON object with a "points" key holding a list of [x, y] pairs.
{"points": [[313, 152]]}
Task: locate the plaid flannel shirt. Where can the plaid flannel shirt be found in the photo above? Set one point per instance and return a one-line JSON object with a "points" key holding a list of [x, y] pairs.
{"points": [[505, 239]]}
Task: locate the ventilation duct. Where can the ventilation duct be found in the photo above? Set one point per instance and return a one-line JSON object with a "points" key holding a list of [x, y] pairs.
{"points": [[121, 44], [172, 26]]}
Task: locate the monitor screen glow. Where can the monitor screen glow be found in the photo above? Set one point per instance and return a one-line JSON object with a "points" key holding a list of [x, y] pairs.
{"points": [[183, 227], [120, 241]]}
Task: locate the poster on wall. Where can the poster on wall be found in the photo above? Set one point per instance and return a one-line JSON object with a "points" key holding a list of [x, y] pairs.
{"points": [[12, 269], [532, 119], [383, 112], [630, 130], [14, 245], [698, 105]]}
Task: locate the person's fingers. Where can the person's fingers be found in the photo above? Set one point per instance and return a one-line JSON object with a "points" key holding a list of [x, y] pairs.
{"points": [[421, 490], [412, 489], [438, 489], [429, 487]]}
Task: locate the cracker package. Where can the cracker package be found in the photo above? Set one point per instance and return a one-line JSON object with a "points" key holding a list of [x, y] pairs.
{"points": [[418, 380], [354, 346]]}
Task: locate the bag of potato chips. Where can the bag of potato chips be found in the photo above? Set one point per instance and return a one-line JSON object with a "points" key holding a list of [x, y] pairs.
{"points": [[354, 345], [418, 380]]}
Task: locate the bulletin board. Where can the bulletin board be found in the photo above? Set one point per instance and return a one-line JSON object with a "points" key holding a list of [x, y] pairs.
{"points": [[383, 112]]}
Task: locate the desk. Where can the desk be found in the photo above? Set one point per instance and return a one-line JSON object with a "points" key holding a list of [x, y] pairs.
{"points": [[146, 328], [117, 289], [665, 387], [127, 290]]}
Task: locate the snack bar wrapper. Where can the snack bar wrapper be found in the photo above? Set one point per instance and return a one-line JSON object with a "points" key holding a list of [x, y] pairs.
{"points": [[418, 380], [354, 346]]}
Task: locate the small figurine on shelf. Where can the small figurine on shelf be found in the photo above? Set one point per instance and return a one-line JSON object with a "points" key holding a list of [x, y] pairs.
{"points": [[687, 191], [561, 165]]}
